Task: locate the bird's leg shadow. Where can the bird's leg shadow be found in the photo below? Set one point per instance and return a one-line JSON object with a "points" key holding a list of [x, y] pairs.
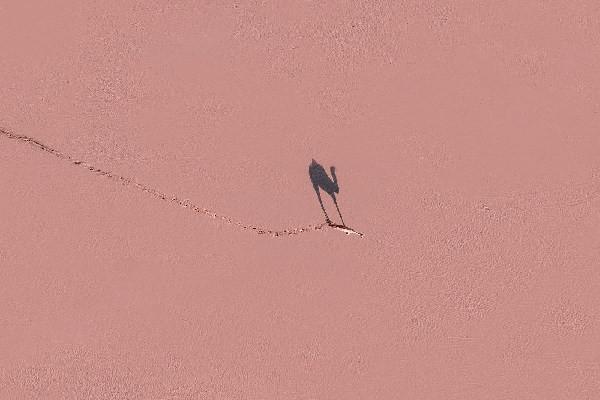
{"points": [[321, 203], [338, 209]]}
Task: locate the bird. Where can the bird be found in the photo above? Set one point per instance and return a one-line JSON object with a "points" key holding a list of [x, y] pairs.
{"points": [[320, 180]]}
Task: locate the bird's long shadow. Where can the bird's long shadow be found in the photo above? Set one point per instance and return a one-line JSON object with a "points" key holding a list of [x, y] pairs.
{"points": [[321, 181]]}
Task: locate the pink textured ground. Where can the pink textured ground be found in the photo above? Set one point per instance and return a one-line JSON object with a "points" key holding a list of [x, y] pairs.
{"points": [[467, 144]]}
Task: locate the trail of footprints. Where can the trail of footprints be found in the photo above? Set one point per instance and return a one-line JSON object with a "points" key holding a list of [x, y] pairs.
{"points": [[185, 203]]}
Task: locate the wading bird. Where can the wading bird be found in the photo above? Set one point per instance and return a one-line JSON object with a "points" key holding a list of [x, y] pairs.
{"points": [[320, 180]]}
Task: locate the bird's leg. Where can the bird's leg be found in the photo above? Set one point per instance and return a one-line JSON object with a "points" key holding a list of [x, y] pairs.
{"points": [[338, 209], [321, 203]]}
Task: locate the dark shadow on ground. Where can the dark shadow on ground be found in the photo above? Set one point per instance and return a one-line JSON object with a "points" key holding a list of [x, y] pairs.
{"points": [[322, 181]]}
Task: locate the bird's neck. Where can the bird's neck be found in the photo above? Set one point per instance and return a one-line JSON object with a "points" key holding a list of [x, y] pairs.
{"points": [[335, 182]]}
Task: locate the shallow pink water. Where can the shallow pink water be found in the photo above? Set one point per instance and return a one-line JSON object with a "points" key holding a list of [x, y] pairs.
{"points": [[466, 144]]}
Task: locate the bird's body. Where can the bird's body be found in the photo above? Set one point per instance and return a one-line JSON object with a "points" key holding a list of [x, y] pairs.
{"points": [[319, 177]]}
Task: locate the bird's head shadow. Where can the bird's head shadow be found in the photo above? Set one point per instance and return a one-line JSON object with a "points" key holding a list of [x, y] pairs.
{"points": [[335, 180]]}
